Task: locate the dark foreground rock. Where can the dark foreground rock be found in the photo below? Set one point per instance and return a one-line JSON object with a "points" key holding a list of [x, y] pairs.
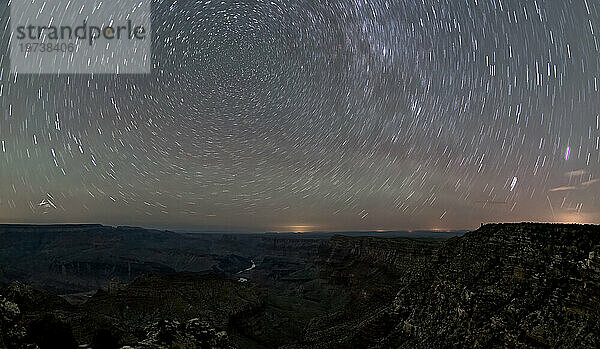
{"points": [[191, 334], [155, 311], [514, 285]]}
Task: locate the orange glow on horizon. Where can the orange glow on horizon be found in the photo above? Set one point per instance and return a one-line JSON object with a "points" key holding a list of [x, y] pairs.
{"points": [[298, 228], [572, 218]]}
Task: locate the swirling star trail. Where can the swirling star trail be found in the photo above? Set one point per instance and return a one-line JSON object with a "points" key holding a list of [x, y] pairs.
{"points": [[332, 115]]}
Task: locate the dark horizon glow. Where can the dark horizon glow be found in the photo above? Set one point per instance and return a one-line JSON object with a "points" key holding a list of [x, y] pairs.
{"points": [[329, 116]]}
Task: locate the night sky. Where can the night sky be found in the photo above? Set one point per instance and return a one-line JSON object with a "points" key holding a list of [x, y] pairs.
{"points": [[319, 115]]}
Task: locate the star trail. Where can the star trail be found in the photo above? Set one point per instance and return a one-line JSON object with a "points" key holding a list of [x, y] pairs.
{"points": [[325, 115]]}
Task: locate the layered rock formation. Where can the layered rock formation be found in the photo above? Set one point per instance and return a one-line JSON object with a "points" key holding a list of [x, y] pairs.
{"points": [[368, 272], [508, 285], [69, 259]]}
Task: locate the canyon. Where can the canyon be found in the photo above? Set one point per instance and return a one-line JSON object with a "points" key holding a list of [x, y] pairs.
{"points": [[517, 285]]}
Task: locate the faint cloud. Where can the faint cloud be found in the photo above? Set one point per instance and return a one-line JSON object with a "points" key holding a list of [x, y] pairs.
{"points": [[576, 172], [565, 188], [583, 185], [590, 182]]}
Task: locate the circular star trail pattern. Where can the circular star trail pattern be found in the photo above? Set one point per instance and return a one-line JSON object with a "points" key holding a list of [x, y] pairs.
{"points": [[336, 115]]}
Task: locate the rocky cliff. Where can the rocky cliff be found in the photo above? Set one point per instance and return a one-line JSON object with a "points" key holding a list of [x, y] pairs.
{"points": [[503, 285], [507, 285], [366, 272]]}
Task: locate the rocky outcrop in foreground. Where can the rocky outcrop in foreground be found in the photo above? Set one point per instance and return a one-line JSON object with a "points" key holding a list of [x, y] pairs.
{"points": [[191, 334], [503, 285], [513, 285], [155, 311], [11, 332]]}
